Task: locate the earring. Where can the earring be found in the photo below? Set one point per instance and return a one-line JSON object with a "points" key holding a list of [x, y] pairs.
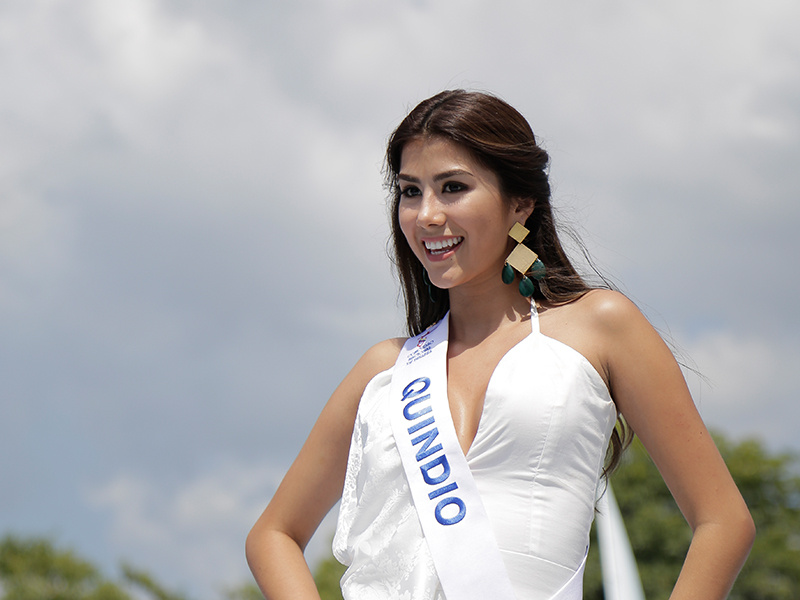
{"points": [[523, 260], [428, 285]]}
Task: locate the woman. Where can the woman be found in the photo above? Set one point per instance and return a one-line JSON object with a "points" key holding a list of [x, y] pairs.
{"points": [[534, 369]]}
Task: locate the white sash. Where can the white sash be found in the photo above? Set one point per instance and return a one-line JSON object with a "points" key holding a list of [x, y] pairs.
{"points": [[449, 506]]}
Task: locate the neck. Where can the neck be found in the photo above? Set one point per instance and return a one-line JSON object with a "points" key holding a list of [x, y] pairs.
{"points": [[480, 311]]}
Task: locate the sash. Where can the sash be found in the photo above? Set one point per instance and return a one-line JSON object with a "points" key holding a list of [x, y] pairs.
{"points": [[453, 519]]}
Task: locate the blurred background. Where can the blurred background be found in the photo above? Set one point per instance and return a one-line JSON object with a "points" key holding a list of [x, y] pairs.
{"points": [[193, 230]]}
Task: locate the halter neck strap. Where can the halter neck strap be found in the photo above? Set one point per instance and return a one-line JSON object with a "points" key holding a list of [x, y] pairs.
{"points": [[534, 317]]}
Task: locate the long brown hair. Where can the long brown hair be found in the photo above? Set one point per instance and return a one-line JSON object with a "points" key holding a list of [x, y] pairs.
{"points": [[500, 138]]}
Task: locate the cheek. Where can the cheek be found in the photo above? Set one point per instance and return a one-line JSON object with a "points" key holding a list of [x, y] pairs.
{"points": [[407, 224]]}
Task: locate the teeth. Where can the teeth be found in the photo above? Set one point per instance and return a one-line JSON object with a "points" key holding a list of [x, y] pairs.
{"points": [[443, 244]]}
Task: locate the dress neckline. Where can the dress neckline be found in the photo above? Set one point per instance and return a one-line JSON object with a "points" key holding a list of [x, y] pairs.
{"points": [[534, 332]]}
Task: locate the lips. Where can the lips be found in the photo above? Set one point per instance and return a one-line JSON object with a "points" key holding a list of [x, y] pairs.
{"points": [[441, 246]]}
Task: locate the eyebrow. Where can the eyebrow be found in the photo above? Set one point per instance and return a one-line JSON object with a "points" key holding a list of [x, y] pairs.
{"points": [[437, 177]]}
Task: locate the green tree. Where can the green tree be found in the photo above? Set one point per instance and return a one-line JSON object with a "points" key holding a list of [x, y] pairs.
{"points": [[245, 591], [35, 570], [145, 582], [327, 577], [770, 485], [660, 536]]}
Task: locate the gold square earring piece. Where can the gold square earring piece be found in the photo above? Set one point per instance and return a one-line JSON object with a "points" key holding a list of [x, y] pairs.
{"points": [[523, 260], [518, 232], [521, 257]]}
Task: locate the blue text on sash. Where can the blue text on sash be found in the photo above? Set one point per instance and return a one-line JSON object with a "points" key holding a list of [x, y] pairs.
{"points": [[435, 471]]}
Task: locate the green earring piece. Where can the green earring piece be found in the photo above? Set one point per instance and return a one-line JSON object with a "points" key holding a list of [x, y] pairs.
{"points": [[526, 287], [508, 274], [524, 261]]}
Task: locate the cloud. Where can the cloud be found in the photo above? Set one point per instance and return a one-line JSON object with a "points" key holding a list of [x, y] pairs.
{"points": [[747, 386], [192, 225], [144, 50], [195, 527]]}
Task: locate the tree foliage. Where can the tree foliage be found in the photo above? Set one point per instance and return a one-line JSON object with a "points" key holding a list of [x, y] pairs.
{"points": [[770, 485], [35, 569], [245, 591], [145, 582], [327, 577], [660, 536]]}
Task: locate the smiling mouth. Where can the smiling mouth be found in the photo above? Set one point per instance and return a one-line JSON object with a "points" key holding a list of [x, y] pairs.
{"points": [[442, 246]]}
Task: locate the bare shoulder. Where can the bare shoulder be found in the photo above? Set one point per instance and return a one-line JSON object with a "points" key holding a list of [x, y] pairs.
{"points": [[611, 311], [381, 356], [598, 312], [385, 353], [377, 359], [340, 411], [618, 324], [599, 325], [634, 356]]}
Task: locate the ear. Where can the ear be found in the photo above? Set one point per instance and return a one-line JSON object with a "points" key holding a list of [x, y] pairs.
{"points": [[522, 208]]}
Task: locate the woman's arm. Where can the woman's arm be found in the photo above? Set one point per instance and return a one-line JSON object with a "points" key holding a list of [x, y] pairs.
{"points": [[650, 391], [311, 487]]}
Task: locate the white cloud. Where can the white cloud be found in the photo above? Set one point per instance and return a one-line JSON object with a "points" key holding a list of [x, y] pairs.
{"points": [[73, 68], [196, 527], [748, 385], [132, 501], [144, 50]]}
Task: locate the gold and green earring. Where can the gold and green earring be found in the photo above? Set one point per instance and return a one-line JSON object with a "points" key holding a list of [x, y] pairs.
{"points": [[523, 260]]}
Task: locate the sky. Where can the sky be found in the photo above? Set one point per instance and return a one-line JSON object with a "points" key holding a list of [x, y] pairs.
{"points": [[193, 229]]}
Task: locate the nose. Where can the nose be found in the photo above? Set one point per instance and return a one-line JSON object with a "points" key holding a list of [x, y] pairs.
{"points": [[430, 212]]}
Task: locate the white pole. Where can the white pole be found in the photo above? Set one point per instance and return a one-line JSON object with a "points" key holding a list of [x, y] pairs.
{"points": [[620, 576]]}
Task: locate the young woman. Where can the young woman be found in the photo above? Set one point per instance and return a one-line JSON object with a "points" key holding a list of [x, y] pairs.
{"points": [[473, 451]]}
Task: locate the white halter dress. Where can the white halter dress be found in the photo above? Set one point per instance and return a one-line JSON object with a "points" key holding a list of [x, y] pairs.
{"points": [[537, 459]]}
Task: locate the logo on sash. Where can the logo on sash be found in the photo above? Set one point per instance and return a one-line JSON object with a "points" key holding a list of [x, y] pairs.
{"points": [[424, 345]]}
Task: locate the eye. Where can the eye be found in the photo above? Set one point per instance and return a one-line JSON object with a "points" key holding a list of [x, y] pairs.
{"points": [[453, 187], [409, 191]]}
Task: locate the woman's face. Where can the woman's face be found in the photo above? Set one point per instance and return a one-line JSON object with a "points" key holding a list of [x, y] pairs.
{"points": [[452, 213]]}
